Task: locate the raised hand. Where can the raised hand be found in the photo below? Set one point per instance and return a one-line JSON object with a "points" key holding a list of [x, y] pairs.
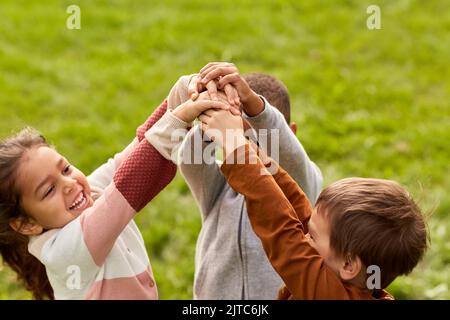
{"points": [[227, 73], [220, 96], [224, 128], [196, 87], [190, 110]]}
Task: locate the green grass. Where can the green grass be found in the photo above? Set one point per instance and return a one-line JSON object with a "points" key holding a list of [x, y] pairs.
{"points": [[367, 103]]}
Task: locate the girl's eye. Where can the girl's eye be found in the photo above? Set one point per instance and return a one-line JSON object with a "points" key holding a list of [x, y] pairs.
{"points": [[50, 190], [67, 169]]}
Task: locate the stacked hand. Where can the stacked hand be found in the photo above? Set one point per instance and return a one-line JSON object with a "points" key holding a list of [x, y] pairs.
{"points": [[212, 83], [224, 128], [216, 96], [190, 110], [226, 74]]}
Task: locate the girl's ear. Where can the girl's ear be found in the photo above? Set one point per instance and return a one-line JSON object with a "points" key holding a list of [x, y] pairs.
{"points": [[350, 268], [26, 226]]}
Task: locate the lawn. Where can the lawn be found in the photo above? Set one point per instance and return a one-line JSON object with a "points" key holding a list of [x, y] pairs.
{"points": [[372, 103]]}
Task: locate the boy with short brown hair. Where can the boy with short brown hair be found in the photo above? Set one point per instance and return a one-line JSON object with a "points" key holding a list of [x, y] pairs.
{"points": [[358, 225], [327, 252]]}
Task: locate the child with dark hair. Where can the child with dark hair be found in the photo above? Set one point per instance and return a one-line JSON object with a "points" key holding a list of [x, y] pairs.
{"points": [[68, 236], [273, 90]]}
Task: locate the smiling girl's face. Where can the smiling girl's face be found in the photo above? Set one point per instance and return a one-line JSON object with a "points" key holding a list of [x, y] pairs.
{"points": [[53, 192]]}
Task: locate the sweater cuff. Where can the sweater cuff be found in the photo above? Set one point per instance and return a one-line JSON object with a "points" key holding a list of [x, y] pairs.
{"points": [[173, 122], [167, 134], [168, 123]]}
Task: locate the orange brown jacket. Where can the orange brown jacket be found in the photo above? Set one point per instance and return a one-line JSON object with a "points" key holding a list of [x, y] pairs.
{"points": [[279, 213]]}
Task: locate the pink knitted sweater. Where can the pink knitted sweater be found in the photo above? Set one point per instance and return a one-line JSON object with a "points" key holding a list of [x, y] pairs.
{"points": [[101, 254]]}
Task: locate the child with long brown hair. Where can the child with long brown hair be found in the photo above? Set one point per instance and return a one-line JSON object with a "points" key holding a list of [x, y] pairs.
{"points": [[68, 236]]}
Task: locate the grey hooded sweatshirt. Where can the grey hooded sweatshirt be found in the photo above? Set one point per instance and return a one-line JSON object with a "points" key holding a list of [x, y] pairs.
{"points": [[230, 262]]}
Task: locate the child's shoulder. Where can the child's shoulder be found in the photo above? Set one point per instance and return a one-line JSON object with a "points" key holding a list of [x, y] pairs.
{"points": [[36, 243]]}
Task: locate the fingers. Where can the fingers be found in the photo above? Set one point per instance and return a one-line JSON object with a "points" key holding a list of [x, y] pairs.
{"points": [[194, 87], [217, 71], [209, 112], [203, 105], [228, 79], [213, 112], [209, 65], [204, 96], [209, 104], [212, 90], [204, 118], [212, 65], [232, 95], [235, 111]]}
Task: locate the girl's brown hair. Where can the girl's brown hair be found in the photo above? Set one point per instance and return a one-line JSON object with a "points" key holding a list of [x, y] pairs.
{"points": [[13, 245], [376, 220]]}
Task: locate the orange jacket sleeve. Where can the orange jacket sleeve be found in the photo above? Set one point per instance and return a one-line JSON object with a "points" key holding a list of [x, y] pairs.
{"points": [[272, 202]]}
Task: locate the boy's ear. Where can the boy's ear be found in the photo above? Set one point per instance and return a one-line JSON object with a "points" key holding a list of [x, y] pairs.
{"points": [[293, 127], [350, 268], [26, 226]]}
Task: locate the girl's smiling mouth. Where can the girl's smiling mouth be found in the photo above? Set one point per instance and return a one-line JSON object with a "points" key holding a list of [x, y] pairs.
{"points": [[80, 202]]}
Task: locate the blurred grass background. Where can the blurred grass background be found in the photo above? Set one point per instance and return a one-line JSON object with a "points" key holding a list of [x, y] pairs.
{"points": [[372, 103]]}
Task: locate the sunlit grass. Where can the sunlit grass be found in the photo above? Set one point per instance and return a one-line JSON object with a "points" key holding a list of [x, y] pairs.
{"points": [[367, 103]]}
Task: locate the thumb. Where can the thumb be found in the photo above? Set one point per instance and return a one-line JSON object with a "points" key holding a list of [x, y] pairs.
{"points": [[193, 87]]}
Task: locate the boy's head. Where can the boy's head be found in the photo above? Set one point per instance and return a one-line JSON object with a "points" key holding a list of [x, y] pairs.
{"points": [[274, 91], [361, 222]]}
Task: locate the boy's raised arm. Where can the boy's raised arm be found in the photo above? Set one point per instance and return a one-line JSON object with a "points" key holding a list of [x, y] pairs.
{"points": [[271, 128], [276, 223], [290, 188]]}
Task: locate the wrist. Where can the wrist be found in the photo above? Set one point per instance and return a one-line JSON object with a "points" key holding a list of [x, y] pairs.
{"points": [[232, 144], [253, 105], [178, 113]]}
